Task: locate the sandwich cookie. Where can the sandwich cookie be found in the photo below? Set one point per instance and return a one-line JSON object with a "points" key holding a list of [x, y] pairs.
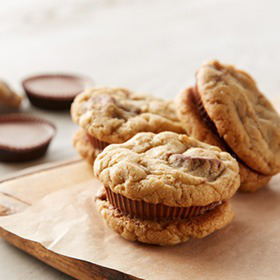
{"points": [[165, 188], [114, 115], [227, 110]]}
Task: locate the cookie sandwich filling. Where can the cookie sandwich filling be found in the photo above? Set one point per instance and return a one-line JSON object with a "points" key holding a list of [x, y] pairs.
{"points": [[143, 210], [97, 144]]}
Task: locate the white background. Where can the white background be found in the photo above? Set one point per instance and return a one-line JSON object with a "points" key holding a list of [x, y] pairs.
{"points": [[152, 46]]}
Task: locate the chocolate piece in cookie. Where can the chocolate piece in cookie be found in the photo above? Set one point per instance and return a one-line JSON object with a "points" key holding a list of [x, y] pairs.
{"points": [[155, 181], [198, 124], [114, 115]]}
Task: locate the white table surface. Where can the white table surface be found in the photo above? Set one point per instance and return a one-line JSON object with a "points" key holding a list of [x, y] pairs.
{"points": [[153, 46]]}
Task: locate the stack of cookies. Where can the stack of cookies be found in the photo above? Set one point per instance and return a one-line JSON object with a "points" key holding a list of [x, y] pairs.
{"points": [[169, 168]]}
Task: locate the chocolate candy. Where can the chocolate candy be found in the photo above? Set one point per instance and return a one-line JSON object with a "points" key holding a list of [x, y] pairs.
{"points": [[24, 137], [141, 209], [54, 91]]}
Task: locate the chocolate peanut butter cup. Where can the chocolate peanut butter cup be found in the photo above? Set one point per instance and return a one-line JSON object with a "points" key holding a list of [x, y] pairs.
{"points": [[54, 91], [165, 188], [141, 209], [98, 145], [24, 137]]}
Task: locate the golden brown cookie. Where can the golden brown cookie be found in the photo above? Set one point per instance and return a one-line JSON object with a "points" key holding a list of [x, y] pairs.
{"points": [[8, 97], [114, 115], [198, 126], [250, 180], [82, 144], [166, 176], [242, 115]]}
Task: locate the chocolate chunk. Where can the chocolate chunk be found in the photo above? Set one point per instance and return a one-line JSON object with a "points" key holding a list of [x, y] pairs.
{"points": [[209, 168], [101, 101]]}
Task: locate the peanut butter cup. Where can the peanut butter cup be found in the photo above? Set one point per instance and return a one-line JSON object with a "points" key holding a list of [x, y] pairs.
{"points": [[157, 181], [143, 210], [54, 91], [24, 137], [98, 145]]}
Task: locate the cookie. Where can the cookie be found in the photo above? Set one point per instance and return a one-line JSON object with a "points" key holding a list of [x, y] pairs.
{"points": [[114, 115], [8, 97], [155, 180], [197, 125], [251, 181], [242, 115], [82, 144]]}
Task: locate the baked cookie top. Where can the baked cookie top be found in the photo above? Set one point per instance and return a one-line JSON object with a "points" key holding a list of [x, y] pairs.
{"points": [[242, 115], [168, 168], [114, 115], [8, 97]]}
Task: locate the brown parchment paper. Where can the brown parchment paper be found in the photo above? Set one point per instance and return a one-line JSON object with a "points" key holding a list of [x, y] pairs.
{"points": [[67, 223]]}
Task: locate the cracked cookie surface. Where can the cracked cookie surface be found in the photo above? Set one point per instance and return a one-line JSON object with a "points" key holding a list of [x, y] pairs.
{"points": [[164, 232], [114, 115], [244, 118], [195, 126], [168, 168]]}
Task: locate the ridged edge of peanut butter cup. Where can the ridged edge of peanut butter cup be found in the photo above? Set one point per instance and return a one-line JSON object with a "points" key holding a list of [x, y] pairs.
{"points": [[143, 210], [97, 144]]}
